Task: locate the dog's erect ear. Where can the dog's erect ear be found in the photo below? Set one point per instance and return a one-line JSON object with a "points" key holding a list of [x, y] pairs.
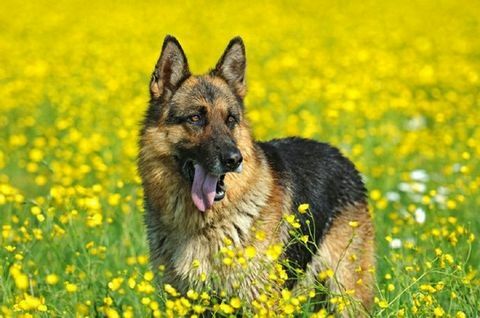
{"points": [[171, 69], [231, 66]]}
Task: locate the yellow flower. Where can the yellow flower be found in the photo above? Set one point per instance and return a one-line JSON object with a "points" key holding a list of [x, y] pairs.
{"points": [[70, 287], [143, 259], [303, 208], [322, 313], [148, 276], [353, 224], [226, 309], [52, 279], [286, 294], [35, 210], [242, 261], [198, 309], [383, 304], [111, 313], [274, 251], [235, 302], [42, 307], [31, 303], [195, 263], [449, 258], [21, 281], [375, 194], [460, 314], [36, 155], [170, 289], [288, 309], [95, 220], [227, 261], [260, 235], [328, 273], [227, 241], [154, 305], [250, 252], [292, 220], [131, 282], [451, 204], [169, 304], [438, 312], [108, 301], [193, 295], [128, 312], [115, 283]]}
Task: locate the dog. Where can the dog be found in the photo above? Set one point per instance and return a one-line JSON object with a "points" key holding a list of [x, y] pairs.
{"points": [[208, 184]]}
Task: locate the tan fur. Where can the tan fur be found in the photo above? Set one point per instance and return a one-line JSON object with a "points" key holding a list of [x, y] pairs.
{"points": [[233, 61], [349, 252], [170, 69]]}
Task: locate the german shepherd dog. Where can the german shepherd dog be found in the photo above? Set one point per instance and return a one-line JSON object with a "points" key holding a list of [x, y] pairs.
{"points": [[207, 181]]}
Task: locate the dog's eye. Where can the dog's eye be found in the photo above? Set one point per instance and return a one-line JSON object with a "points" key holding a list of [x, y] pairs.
{"points": [[231, 120], [195, 119]]}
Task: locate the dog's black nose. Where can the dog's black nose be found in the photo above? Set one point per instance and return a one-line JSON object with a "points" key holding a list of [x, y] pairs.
{"points": [[231, 159]]}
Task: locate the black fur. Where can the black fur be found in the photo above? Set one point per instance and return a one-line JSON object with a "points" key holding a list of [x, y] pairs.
{"points": [[317, 174]]}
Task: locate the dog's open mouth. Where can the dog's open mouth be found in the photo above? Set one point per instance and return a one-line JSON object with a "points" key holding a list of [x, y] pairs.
{"points": [[206, 187]]}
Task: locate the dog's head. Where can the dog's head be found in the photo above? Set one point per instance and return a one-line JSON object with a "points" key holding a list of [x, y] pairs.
{"points": [[198, 120]]}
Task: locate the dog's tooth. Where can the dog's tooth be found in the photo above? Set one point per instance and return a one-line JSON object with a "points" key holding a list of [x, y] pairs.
{"points": [[240, 168]]}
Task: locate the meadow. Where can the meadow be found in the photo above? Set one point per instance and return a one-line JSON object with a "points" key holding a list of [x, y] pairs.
{"points": [[395, 86]]}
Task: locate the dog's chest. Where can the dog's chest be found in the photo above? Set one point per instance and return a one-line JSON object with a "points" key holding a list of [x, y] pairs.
{"points": [[198, 252], [207, 261], [204, 258]]}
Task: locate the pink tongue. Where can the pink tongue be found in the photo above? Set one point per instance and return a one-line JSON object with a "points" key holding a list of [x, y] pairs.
{"points": [[203, 188]]}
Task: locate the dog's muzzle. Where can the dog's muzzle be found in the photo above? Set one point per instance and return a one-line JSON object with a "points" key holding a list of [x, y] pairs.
{"points": [[206, 187]]}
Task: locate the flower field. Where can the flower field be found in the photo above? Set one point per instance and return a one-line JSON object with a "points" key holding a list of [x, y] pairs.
{"points": [[395, 86]]}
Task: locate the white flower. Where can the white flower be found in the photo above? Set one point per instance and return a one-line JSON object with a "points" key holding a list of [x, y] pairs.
{"points": [[416, 123], [440, 198], [419, 187], [417, 198], [419, 175], [442, 190], [404, 187], [393, 196], [420, 215], [395, 243], [456, 167]]}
